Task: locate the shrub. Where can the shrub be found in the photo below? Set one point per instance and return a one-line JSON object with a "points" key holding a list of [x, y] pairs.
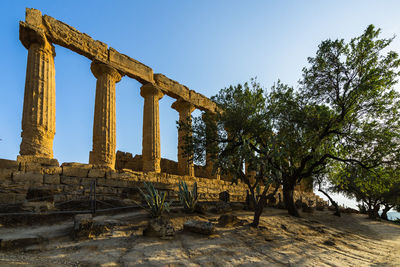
{"points": [[155, 200], [188, 198]]}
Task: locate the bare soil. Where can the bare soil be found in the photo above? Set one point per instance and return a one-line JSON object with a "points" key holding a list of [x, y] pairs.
{"points": [[318, 239]]}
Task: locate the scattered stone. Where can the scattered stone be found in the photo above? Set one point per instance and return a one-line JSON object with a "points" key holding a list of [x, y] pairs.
{"points": [[85, 227], [202, 208], [227, 219], [39, 206], [160, 227], [200, 227]]}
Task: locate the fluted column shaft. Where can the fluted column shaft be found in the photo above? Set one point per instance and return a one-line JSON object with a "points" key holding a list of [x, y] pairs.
{"points": [[39, 110], [151, 153], [185, 158], [104, 124], [211, 144]]}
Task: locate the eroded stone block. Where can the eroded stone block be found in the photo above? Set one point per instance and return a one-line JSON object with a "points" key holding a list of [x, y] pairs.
{"points": [[130, 66], [5, 174], [69, 37], [8, 164], [45, 162], [51, 179], [27, 177], [10, 198], [76, 169], [93, 173], [33, 16], [52, 170], [171, 88], [70, 180]]}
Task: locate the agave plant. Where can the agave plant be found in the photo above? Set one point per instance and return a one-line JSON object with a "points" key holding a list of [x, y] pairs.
{"points": [[188, 198], [155, 200]]}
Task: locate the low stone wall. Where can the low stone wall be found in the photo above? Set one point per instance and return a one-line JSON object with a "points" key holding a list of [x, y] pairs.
{"points": [[20, 180], [125, 160]]}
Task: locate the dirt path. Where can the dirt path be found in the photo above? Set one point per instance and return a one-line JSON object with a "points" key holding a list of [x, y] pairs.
{"points": [[318, 239]]}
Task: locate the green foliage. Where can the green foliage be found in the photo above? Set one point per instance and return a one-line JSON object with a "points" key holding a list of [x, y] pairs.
{"points": [[345, 110], [188, 198], [155, 200]]}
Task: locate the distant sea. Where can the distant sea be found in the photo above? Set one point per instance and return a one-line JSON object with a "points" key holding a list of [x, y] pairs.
{"points": [[393, 215]]}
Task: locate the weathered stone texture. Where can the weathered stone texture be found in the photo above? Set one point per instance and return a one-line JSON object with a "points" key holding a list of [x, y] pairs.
{"points": [[8, 164], [96, 173], [130, 67], [67, 36], [33, 17], [38, 117], [76, 169], [27, 177], [5, 173], [178, 91], [51, 179], [201, 102], [151, 128], [62, 34], [104, 126], [171, 88]]}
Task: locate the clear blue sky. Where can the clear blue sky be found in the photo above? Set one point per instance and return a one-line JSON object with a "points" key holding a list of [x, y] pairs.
{"points": [[205, 45]]}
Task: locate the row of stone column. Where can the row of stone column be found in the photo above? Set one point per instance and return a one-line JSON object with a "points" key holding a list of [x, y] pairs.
{"points": [[38, 120]]}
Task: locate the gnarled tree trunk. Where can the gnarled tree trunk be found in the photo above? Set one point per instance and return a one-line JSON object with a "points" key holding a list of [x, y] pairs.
{"points": [[337, 210], [373, 211], [258, 210], [288, 190]]}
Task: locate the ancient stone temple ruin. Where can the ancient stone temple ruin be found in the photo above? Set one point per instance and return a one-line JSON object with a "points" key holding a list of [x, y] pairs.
{"points": [[114, 173]]}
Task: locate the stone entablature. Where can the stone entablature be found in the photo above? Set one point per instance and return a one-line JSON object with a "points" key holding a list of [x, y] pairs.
{"points": [[57, 32], [38, 34]]}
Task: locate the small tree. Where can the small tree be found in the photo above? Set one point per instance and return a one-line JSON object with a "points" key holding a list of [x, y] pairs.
{"points": [[374, 187], [230, 140]]}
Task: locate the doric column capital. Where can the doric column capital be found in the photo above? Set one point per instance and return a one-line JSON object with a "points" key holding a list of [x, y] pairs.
{"points": [[99, 69], [183, 106], [150, 90], [30, 34]]}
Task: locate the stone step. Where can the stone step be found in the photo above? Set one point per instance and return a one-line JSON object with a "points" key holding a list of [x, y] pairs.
{"points": [[20, 238]]}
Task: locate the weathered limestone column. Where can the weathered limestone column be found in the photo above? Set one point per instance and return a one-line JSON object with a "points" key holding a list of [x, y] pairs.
{"points": [[185, 161], [151, 153], [104, 124], [39, 111], [207, 118]]}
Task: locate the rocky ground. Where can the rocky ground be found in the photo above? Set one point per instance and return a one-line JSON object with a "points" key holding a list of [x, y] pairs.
{"points": [[317, 239]]}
